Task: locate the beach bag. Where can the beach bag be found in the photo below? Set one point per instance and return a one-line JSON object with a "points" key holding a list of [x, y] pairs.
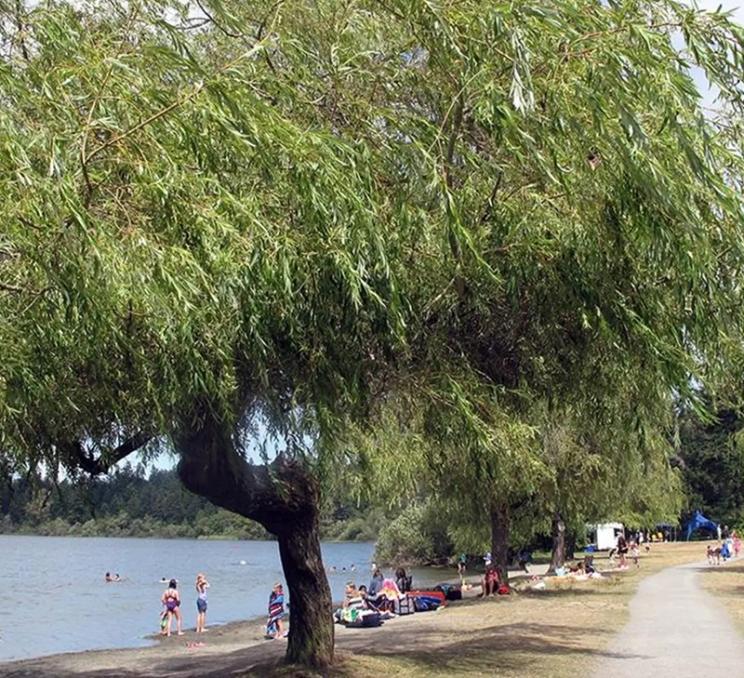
{"points": [[426, 603], [404, 606], [427, 600]]}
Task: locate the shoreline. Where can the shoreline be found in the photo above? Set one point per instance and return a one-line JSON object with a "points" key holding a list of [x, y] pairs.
{"points": [[562, 631], [174, 538], [222, 645]]}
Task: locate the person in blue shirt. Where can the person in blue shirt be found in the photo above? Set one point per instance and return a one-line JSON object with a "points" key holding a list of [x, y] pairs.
{"points": [[375, 583]]}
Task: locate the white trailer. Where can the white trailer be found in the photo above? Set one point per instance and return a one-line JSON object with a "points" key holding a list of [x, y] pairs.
{"points": [[606, 535]]}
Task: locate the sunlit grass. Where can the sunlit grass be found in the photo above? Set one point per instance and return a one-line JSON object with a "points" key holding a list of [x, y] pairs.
{"points": [[562, 631]]}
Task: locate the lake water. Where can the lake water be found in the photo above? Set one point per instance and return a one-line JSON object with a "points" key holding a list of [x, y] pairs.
{"points": [[55, 598]]}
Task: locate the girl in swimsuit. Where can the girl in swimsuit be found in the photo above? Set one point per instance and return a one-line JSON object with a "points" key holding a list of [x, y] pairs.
{"points": [[172, 601], [201, 602]]}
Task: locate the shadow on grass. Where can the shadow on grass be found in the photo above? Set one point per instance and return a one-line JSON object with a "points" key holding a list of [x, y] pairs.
{"points": [[721, 569], [498, 648], [508, 647]]}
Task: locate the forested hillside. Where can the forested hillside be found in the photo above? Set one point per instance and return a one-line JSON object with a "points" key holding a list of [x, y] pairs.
{"points": [[131, 503]]}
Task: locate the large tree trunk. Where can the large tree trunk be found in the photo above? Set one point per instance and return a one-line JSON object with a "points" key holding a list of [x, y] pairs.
{"points": [[283, 496], [558, 557], [310, 614], [500, 540]]}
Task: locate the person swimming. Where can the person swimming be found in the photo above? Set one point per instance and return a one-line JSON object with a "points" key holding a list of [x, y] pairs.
{"points": [[112, 578]]}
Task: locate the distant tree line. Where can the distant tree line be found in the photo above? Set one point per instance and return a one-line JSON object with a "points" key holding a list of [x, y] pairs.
{"points": [[131, 503], [711, 456]]}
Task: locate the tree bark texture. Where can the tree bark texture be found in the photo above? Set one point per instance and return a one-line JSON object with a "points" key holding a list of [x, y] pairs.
{"points": [[283, 496], [500, 525], [558, 556]]}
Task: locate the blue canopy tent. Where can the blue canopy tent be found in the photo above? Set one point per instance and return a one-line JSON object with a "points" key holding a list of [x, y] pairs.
{"points": [[700, 522]]}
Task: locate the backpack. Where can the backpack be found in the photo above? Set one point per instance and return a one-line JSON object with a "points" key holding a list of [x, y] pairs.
{"points": [[404, 606]]}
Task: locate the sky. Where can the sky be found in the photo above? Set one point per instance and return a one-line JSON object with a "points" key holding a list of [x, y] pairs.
{"points": [[737, 6]]}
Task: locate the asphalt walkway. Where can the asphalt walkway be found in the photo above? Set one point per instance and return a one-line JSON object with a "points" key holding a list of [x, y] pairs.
{"points": [[676, 629]]}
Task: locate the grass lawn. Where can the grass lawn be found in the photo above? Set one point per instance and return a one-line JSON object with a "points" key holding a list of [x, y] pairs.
{"points": [[562, 631], [727, 584]]}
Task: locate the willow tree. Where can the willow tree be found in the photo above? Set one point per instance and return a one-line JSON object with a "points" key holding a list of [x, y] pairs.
{"points": [[289, 209], [185, 249]]}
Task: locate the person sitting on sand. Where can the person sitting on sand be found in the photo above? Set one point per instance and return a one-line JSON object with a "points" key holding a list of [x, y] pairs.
{"points": [[376, 582], [274, 625], [172, 601], [490, 581], [403, 581], [201, 602], [355, 597], [365, 597]]}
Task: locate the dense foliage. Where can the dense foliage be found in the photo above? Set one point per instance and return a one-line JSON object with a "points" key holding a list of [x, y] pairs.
{"points": [[711, 457], [496, 219]]}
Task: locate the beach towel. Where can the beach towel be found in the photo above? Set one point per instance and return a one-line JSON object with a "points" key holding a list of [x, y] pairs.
{"points": [[390, 590], [276, 612]]}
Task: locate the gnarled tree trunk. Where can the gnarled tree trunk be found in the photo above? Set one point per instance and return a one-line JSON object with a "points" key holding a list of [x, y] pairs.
{"points": [[283, 497], [500, 525], [558, 556]]}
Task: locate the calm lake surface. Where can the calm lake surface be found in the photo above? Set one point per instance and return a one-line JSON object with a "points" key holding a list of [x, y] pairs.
{"points": [[55, 598]]}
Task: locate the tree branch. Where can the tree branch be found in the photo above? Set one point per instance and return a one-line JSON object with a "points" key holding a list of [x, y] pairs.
{"points": [[279, 495], [101, 465]]}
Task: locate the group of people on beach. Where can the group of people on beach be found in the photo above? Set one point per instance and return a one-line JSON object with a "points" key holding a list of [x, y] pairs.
{"points": [[171, 600], [380, 596]]}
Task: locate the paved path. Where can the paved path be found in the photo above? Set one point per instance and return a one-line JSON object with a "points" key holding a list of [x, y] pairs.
{"points": [[677, 630]]}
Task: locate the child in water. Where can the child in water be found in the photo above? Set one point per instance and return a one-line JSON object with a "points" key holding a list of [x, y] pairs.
{"points": [[274, 626]]}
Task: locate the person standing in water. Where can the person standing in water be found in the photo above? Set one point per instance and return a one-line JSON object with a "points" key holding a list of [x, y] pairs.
{"points": [[172, 601], [201, 602]]}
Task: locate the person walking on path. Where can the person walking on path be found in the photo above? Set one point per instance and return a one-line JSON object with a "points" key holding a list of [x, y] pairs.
{"points": [[201, 602]]}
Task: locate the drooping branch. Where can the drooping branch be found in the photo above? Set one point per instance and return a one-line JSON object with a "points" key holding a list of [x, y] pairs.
{"points": [[85, 460]]}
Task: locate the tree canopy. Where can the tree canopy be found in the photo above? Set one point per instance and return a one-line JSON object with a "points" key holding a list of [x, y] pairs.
{"points": [[302, 210]]}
